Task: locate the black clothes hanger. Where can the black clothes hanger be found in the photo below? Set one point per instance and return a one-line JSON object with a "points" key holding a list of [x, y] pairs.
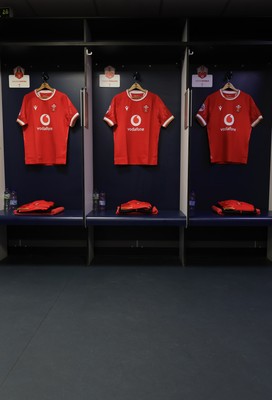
{"points": [[229, 85], [45, 85], [136, 85]]}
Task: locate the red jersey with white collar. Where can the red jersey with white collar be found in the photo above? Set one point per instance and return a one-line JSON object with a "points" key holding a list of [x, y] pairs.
{"points": [[230, 117], [46, 117], [137, 118]]}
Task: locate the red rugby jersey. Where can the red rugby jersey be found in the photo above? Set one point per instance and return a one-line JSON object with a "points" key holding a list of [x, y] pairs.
{"points": [[136, 118], [230, 117], [46, 117]]}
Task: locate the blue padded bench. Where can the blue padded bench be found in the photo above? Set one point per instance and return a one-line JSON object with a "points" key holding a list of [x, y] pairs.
{"points": [[210, 218], [67, 217], [163, 218]]}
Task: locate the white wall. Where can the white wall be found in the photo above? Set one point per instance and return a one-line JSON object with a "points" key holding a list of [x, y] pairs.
{"points": [[2, 169], [184, 141], [3, 231]]}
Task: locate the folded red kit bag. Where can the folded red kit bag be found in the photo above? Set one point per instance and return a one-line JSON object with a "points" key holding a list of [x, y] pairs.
{"points": [[235, 207], [38, 207], [136, 207]]}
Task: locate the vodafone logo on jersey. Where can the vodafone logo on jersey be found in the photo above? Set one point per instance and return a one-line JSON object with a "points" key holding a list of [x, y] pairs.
{"points": [[45, 121], [135, 121], [228, 121]]}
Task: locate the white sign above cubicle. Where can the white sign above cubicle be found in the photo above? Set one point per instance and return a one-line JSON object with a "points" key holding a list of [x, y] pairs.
{"points": [[109, 82], [202, 78], [19, 79], [202, 82], [109, 78]]}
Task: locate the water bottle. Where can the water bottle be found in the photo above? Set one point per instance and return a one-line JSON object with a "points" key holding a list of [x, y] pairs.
{"points": [[102, 201], [6, 200], [13, 202], [95, 200], [192, 202]]}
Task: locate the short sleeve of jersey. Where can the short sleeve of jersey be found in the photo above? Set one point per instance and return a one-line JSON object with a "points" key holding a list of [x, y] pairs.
{"points": [[164, 114], [202, 114], [110, 117], [22, 116], [254, 112], [71, 113]]}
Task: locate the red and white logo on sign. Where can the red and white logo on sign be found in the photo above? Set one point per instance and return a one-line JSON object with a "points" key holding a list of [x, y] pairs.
{"points": [[202, 71], [18, 72], [109, 72]]}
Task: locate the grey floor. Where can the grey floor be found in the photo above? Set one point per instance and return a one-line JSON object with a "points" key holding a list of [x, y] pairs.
{"points": [[135, 331]]}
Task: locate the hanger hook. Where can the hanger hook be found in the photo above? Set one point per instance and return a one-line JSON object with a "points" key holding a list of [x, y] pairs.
{"points": [[136, 76], [228, 76], [45, 76]]}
